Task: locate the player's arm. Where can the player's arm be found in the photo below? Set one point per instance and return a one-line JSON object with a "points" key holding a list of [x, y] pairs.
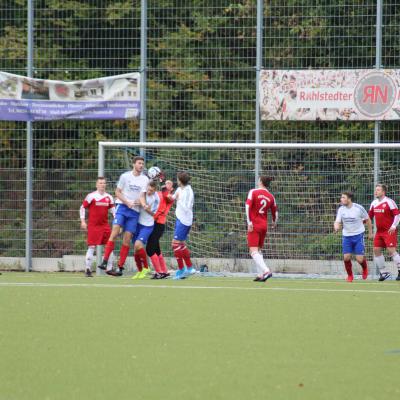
{"points": [[338, 222], [368, 222], [396, 215], [274, 214], [249, 202], [82, 212]]}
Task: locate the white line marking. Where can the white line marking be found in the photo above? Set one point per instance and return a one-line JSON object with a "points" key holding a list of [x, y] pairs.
{"points": [[135, 286]]}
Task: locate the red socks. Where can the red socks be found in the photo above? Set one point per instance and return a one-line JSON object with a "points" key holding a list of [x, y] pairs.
{"points": [[123, 254], [186, 256], [138, 261], [108, 250], [163, 265], [156, 263], [177, 248], [142, 256], [364, 264], [348, 266]]}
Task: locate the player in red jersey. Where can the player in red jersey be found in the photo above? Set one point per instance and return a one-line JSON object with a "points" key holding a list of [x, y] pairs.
{"points": [[258, 202], [387, 217], [153, 248], [98, 203]]}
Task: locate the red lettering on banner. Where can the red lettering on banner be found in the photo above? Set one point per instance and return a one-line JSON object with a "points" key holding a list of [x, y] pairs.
{"points": [[373, 92]]}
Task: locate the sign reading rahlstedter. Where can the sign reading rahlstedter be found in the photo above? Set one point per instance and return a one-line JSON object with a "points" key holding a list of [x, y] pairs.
{"points": [[310, 95], [28, 99]]}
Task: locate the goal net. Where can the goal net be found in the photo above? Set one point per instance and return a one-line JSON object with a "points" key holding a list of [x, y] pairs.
{"points": [[308, 181]]}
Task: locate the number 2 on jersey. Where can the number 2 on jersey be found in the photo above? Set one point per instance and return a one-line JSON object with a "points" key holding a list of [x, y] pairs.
{"points": [[263, 205]]}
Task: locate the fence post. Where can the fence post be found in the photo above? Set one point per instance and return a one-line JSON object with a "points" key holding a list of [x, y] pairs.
{"points": [[29, 151], [259, 53], [143, 71], [378, 64]]}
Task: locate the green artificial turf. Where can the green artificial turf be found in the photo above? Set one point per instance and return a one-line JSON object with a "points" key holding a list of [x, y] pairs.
{"points": [[64, 336]]}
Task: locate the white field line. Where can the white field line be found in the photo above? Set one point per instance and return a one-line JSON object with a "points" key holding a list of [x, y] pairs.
{"points": [[325, 281], [136, 286]]}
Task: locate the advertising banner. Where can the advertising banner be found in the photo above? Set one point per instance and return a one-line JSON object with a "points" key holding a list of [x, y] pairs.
{"points": [[311, 95], [28, 99]]}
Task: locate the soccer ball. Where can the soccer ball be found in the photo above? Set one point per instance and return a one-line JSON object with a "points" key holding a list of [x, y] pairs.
{"points": [[154, 172]]}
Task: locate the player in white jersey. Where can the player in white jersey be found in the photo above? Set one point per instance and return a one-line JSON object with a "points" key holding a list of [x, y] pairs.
{"points": [[352, 217], [144, 230], [130, 194], [98, 204], [184, 219]]}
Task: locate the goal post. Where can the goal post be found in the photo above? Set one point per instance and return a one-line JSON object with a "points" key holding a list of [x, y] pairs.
{"points": [[308, 181]]}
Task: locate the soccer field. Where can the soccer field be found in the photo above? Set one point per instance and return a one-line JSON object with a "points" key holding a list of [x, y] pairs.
{"points": [[67, 337]]}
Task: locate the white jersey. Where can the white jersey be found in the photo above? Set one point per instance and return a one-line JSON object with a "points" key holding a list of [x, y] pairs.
{"points": [[352, 219], [154, 202], [184, 205], [132, 186]]}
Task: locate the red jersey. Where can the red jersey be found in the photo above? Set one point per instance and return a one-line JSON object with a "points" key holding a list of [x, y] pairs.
{"points": [[163, 209], [98, 206], [384, 211], [259, 202]]}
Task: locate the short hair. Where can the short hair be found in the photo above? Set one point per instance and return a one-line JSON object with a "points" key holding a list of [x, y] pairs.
{"points": [[349, 194], [266, 180], [184, 177], [101, 178], [137, 158], [384, 187], [152, 184]]}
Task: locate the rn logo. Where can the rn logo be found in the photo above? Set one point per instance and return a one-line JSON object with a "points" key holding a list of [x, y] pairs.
{"points": [[375, 94]]}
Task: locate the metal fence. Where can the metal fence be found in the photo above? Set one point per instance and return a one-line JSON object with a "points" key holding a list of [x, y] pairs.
{"points": [[201, 60]]}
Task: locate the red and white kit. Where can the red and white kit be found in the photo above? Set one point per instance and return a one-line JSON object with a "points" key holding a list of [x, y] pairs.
{"points": [[386, 215], [259, 202], [98, 206]]}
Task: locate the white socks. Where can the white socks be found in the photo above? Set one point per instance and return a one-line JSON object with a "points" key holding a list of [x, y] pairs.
{"points": [[258, 259], [110, 261], [380, 262], [396, 260], [89, 257]]}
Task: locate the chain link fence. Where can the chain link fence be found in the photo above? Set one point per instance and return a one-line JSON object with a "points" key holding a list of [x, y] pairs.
{"points": [[201, 87]]}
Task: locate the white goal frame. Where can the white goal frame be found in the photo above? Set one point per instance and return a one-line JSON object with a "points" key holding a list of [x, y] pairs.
{"points": [[103, 145]]}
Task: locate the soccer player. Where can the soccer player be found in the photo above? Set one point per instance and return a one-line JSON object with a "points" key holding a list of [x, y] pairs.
{"points": [[130, 194], [258, 202], [160, 218], [98, 203], [352, 217], [184, 218], [387, 217], [144, 229]]}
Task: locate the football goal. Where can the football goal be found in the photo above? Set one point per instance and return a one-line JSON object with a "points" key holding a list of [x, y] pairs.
{"points": [[308, 181]]}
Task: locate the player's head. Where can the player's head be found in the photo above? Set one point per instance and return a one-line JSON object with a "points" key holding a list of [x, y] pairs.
{"points": [[380, 190], [101, 183], [183, 178], [346, 198], [138, 163], [169, 185], [151, 188], [264, 181]]}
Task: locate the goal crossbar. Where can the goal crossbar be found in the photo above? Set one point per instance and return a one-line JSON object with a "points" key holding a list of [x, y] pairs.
{"points": [[239, 146]]}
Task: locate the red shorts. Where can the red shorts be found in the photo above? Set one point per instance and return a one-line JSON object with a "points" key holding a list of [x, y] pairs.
{"points": [[98, 235], [256, 238], [384, 239]]}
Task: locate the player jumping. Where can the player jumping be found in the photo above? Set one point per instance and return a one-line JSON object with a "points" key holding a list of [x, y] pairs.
{"points": [[98, 203], [184, 218], [144, 229], [352, 217], [258, 202], [130, 194], [153, 247], [387, 217]]}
